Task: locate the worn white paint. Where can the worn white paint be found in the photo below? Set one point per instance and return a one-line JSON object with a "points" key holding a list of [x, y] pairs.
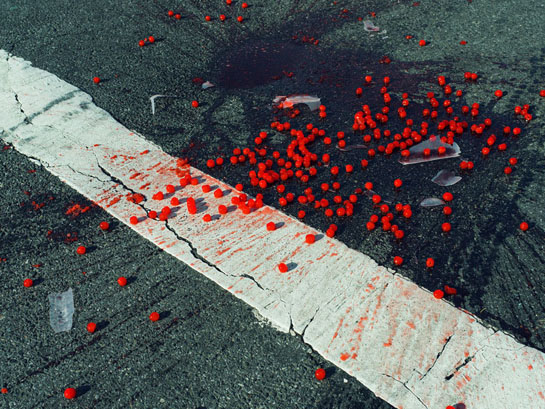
{"points": [[386, 331]]}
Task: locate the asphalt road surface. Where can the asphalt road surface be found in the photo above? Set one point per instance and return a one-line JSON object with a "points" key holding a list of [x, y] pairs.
{"points": [[209, 350]]}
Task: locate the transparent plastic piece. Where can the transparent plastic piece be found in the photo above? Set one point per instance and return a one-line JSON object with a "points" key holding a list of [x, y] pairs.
{"points": [[207, 84], [418, 153], [446, 178], [431, 202], [313, 102], [61, 310]]}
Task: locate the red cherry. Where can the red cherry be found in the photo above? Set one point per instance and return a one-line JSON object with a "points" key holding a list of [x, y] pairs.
{"points": [[69, 393], [320, 374]]}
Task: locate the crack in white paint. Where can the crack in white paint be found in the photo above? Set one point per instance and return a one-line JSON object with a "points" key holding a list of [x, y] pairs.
{"points": [[408, 389]]}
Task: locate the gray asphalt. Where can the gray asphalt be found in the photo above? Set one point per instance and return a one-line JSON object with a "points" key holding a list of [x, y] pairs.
{"points": [[497, 269]]}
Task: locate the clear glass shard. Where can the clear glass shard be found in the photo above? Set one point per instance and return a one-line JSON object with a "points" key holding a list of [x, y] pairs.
{"points": [[446, 178], [369, 26], [313, 102], [428, 151], [431, 202], [370, 193], [351, 147], [61, 310]]}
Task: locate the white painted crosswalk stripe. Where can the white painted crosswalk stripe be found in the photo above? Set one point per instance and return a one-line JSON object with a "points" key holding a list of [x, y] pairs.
{"points": [[410, 349]]}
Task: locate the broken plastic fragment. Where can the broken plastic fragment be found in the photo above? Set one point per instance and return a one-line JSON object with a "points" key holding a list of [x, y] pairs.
{"points": [[446, 178], [351, 147], [152, 99], [369, 26], [428, 150], [431, 202], [61, 310], [313, 102], [207, 84]]}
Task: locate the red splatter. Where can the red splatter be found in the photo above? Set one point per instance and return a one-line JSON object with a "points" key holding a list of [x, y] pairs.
{"points": [[135, 197], [71, 237], [59, 236], [37, 206], [75, 210]]}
